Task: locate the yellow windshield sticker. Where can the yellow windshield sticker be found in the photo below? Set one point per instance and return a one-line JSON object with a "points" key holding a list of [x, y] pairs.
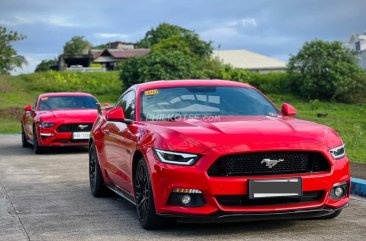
{"points": [[44, 98], [151, 92]]}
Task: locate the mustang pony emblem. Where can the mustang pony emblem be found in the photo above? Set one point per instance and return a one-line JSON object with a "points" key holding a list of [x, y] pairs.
{"points": [[271, 163], [82, 126]]}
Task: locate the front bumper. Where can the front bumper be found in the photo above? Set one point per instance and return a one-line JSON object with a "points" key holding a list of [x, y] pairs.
{"points": [[242, 217], [50, 137], [165, 178]]}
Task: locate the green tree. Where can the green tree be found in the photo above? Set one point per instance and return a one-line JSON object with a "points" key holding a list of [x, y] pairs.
{"points": [[76, 45], [158, 65], [169, 31], [46, 64], [324, 70], [100, 46], [9, 58], [176, 53]]}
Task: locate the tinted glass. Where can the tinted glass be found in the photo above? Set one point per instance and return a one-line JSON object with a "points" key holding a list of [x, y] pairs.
{"points": [[197, 101], [127, 103], [67, 102]]}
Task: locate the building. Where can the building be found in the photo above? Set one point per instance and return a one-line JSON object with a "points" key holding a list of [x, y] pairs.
{"points": [[109, 58], [106, 59], [357, 43], [244, 59]]}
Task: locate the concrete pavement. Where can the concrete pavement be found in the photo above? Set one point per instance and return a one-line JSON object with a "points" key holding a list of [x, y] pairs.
{"points": [[47, 197]]}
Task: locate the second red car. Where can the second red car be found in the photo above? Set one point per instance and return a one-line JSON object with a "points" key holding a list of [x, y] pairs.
{"points": [[58, 119]]}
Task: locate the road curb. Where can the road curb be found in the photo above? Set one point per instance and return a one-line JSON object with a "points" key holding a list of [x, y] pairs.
{"points": [[358, 186]]}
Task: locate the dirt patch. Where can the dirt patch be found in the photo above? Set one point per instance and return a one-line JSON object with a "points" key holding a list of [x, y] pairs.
{"points": [[11, 113]]}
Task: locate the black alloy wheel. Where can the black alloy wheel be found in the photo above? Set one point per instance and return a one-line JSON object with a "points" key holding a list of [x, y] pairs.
{"points": [[145, 199], [97, 186], [36, 148]]}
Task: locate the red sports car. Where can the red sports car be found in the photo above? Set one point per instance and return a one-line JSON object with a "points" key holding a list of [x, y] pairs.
{"points": [[58, 119], [211, 150]]}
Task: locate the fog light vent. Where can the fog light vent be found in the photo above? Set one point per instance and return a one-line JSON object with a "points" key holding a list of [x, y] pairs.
{"points": [[186, 198], [339, 191]]}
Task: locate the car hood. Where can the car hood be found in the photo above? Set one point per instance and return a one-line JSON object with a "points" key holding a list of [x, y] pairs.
{"points": [[245, 133], [76, 115]]}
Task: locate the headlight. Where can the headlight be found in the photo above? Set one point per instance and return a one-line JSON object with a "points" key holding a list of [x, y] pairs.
{"points": [[176, 158], [338, 152], [46, 124]]}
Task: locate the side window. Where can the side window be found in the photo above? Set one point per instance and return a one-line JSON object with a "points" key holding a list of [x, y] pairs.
{"points": [[35, 104], [127, 102]]}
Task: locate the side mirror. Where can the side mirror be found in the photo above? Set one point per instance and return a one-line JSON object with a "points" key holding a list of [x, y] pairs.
{"points": [[107, 105], [116, 114], [28, 108], [288, 110]]}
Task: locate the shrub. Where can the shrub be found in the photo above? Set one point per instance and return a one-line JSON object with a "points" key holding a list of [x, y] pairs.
{"points": [[324, 70], [96, 83], [275, 83]]}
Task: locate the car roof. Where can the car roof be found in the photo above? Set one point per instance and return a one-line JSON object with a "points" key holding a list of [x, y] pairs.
{"points": [[65, 94], [191, 82]]}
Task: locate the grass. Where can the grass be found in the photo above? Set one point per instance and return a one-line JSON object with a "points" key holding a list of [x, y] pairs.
{"points": [[348, 120], [16, 92]]}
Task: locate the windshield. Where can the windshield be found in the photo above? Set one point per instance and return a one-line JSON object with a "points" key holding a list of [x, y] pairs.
{"points": [[199, 101], [67, 102]]}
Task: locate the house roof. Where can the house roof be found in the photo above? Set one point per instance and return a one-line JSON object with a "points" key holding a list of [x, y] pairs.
{"points": [[245, 59], [121, 54], [96, 53]]}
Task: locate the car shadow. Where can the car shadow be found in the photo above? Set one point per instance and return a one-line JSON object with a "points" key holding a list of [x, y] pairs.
{"points": [[190, 230]]}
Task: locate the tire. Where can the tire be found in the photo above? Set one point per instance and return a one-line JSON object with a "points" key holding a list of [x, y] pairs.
{"points": [[97, 185], [144, 197], [333, 215], [36, 148], [25, 142]]}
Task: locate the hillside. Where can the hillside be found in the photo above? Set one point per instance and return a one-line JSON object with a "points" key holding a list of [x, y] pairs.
{"points": [[18, 91]]}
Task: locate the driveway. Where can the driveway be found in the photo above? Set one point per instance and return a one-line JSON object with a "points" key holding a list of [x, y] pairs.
{"points": [[47, 197]]}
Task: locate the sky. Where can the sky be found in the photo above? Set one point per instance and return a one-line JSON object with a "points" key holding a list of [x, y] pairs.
{"points": [[276, 28]]}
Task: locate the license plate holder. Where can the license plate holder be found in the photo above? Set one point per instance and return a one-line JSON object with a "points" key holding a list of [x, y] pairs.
{"points": [[81, 135], [270, 188]]}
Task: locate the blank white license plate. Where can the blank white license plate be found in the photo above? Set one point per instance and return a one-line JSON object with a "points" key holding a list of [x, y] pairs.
{"points": [[80, 135], [291, 187]]}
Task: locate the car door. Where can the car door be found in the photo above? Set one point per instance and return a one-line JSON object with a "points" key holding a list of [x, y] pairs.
{"points": [[119, 144], [29, 120]]}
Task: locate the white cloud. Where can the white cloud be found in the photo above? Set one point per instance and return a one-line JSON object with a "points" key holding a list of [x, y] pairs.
{"points": [[242, 32], [248, 22], [244, 22], [111, 35], [33, 60], [54, 20], [60, 21], [231, 29], [17, 20]]}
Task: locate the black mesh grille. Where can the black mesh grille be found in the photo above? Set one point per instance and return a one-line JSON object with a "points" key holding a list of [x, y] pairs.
{"points": [[255, 164], [237, 200], [75, 127]]}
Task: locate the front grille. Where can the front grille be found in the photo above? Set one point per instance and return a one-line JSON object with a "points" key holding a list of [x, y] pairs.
{"points": [[240, 200], [253, 164], [79, 127]]}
